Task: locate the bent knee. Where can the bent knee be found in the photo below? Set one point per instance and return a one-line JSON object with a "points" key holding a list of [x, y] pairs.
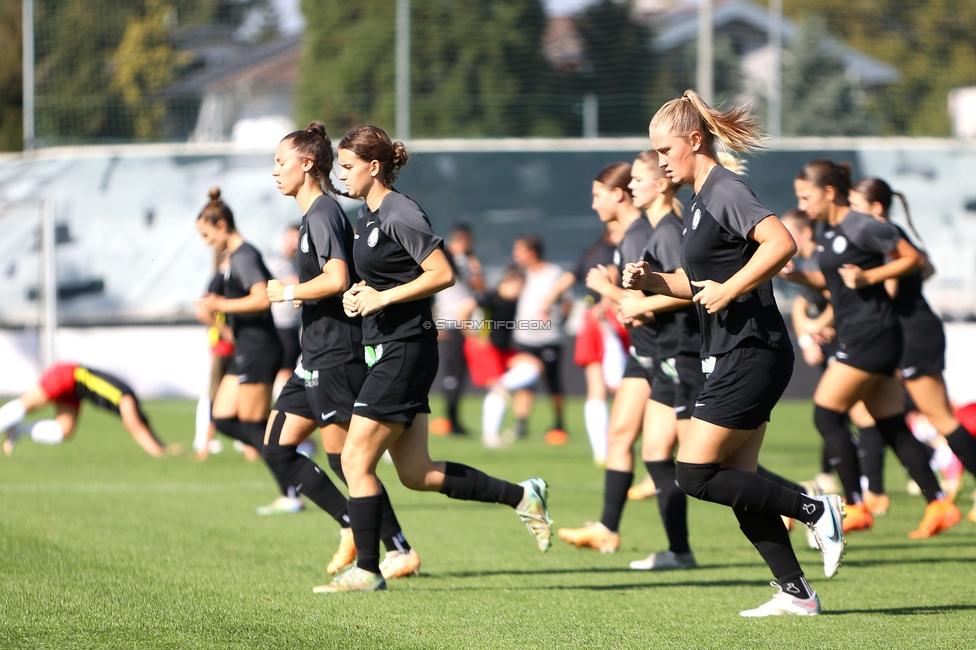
{"points": [[693, 478]]}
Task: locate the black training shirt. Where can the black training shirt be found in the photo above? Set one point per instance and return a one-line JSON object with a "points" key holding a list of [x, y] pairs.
{"points": [[677, 331], [390, 245], [500, 310], [861, 240], [600, 252], [245, 270], [629, 251], [329, 337], [716, 246]]}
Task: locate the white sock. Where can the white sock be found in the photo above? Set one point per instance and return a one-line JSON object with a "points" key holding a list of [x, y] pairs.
{"points": [[614, 357], [943, 458], [47, 432], [521, 376], [202, 423], [11, 413], [597, 417], [492, 414]]}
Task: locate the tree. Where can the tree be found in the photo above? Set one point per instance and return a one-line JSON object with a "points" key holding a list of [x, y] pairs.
{"points": [[145, 63], [11, 79], [676, 72], [818, 97], [930, 42], [476, 66]]}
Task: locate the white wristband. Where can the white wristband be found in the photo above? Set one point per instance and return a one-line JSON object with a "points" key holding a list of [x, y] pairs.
{"points": [[805, 341], [289, 292]]}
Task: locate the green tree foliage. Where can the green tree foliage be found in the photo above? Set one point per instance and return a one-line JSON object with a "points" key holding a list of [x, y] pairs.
{"points": [[618, 66], [677, 71], [930, 42], [11, 80], [476, 66], [144, 63], [818, 97]]}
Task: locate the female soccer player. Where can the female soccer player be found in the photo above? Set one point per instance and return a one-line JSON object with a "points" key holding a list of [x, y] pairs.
{"points": [[923, 357], [732, 248], [402, 264], [66, 384], [852, 255], [322, 391], [243, 400]]}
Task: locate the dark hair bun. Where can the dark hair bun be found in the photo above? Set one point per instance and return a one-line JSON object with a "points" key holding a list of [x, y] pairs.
{"points": [[214, 193], [399, 155], [317, 128]]}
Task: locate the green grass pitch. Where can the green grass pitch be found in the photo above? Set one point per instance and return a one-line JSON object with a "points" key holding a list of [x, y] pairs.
{"points": [[102, 546]]}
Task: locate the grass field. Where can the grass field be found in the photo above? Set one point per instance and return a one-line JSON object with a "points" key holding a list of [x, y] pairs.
{"points": [[103, 546]]}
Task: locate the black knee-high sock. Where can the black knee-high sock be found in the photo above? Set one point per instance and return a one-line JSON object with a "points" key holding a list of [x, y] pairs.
{"points": [[841, 452], [963, 445], [747, 491], [672, 503], [914, 455], [771, 539], [469, 484], [365, 517], [230, 427], [303, 473], [825, 467], [253, 434], [615, 486], [870, 455], [781, 480], [390, 531]]}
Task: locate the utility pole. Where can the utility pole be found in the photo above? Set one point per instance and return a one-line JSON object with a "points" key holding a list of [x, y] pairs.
{"points": [[706, 34], [28, 74], [775, 126], [403, 69]]}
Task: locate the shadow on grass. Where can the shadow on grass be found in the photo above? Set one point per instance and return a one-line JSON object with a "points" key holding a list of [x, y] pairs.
{"points": [[911, 546], [911, 560], [587, 570], [617, 587], [904, 611]]}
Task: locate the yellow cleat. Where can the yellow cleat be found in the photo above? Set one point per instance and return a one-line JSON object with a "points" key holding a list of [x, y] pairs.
{"points": [[596, 536], [400, 565], [643, 490], [940, 515], [346, 554]]}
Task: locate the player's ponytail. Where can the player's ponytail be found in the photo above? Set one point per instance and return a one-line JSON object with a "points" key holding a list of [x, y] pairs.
{"points": [[371, 143], [875, 190], [735, 128], [216, 211]]}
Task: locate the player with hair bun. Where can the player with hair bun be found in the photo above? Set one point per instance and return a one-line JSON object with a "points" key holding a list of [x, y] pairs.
{"points": [[321, 391], [402, 264], [731, 249]]}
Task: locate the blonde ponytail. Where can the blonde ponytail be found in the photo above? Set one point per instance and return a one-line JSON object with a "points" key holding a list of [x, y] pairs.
{"points": [[736, 129]]}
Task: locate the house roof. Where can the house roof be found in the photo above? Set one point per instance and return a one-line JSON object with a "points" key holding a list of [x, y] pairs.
{"points": [[240, 61], [680, 27]]}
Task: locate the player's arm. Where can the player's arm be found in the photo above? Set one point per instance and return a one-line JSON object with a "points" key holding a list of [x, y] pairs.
{"points": [[256, 300], [333, 281]]}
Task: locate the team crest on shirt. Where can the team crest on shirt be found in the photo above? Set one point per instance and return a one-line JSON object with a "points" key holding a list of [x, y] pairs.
{"points": [[304, 244], [696, 220], [616, 258], [839, 245], [374, 236]]}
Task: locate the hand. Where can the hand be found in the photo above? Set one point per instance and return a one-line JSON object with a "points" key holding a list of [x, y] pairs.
{"points": [[713, 295], [813, 355], [853, 276], [635, 274], [276, 291], [598, 279], [629, 308], [350, 304], [211, 303], [789, 272]]}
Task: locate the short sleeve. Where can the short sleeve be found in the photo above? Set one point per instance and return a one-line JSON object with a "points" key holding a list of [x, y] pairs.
{"points": [[249, 268], [410, 227], [666, 246], [733, 205], [326, 228], [216, 285], [871, 235]]}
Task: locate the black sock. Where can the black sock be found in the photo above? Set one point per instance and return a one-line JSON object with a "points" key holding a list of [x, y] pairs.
{"points": [[365, 514], [303, 473], [825, 467], [559, 420], [615, 486], [672, 503], [780, 480], [521, 428], [914, 455], [335, 463], [230, 427], [252, 433], [963, 445], [468, 484], [870, 455], [746, 491], [772, 540], [841, 452], [390, 532]]}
